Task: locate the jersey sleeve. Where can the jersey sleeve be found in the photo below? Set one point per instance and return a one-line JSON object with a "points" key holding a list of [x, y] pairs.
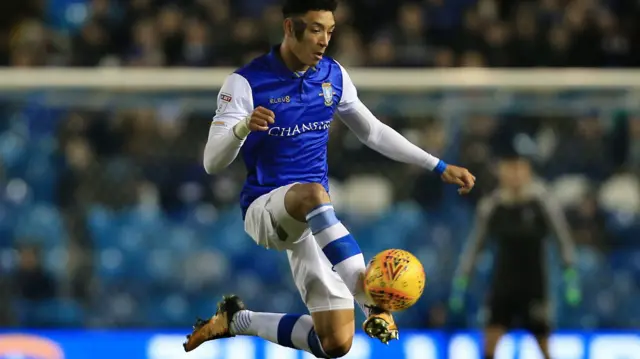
{"points": [[349, 93], [235, 102], [377, 135], [477, 239], [557, 223]]}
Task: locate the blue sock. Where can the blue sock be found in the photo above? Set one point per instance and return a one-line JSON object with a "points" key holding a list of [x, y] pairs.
{"points": [[289, 330], [341, 249]]}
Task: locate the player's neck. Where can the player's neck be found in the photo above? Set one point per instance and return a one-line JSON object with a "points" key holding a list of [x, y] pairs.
{"points": [[517, 194], [290, 60]]}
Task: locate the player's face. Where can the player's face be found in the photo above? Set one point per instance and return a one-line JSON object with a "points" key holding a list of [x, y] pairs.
{"points": [[514, 174], [317, 27]]}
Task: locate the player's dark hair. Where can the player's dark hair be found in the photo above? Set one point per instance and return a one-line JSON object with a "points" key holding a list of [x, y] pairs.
{"points": [[300, 7]]}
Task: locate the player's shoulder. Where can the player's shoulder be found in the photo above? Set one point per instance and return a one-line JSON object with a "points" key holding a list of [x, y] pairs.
{"points": [[542, 194], [332, 64], [489, 202], [536, 191], [257, 67], [329, 61], [330, 69], [539, 189]]}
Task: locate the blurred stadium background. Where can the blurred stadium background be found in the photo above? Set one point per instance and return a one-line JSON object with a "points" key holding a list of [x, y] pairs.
{"points": [[107, 219]]}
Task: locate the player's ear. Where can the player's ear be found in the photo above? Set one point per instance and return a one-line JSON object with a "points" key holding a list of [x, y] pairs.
{"points": [[288, 27]]}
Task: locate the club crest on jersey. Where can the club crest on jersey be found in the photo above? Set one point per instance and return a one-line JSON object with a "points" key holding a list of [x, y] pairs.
{"points": [[327, 92]]}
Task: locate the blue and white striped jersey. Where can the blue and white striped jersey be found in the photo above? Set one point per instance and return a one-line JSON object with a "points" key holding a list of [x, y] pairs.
{"points": [[294, 149]]}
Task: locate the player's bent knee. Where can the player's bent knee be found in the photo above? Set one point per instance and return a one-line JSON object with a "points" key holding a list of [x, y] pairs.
{"points": [[335, 330], [310, 195], [301, 198], [336, 346]]}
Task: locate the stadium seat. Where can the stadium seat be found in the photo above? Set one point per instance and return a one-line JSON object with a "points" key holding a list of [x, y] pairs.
{"points": [[620, 194], [169, 311], [7, 220], [103, 226], [110, 265], [367, 195], [55, 313], [41, 222], [569, 189], [13, 151]]}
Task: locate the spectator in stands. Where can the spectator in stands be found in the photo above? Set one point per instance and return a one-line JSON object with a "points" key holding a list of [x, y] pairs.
{"points": [[31, 282], [588, 223], [483, 33]]}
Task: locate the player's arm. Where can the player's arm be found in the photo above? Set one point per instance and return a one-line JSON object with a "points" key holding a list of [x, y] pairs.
{"points": [[229, 126], [387, 141], [557, 222], [478, 237], [474, 246]]}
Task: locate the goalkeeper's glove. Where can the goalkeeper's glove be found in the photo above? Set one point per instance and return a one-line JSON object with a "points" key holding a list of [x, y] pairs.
{"points": [[572, 291], [458, 290]]}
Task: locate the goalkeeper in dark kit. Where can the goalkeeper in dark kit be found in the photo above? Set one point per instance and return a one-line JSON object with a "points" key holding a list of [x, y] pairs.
{"points": [[519, 216]]}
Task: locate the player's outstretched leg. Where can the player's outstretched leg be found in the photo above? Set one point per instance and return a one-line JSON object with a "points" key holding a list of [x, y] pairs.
{"points": [[290, 330], [310, 203]]}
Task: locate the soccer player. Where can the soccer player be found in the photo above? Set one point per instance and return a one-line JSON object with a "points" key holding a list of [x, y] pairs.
{"points": [[519, 215], [277, 111]]}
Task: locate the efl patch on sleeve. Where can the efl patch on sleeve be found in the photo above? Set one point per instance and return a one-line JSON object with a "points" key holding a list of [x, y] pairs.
{"points": [[223, 100]]}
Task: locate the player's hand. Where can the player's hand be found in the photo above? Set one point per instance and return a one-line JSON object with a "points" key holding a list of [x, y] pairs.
{"points": [[458, 290], [260, 119], [572, 293], [459, 176]]}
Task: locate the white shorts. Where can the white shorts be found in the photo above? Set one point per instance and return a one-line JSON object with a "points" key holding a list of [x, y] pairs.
{"points": [[269, 224]]}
